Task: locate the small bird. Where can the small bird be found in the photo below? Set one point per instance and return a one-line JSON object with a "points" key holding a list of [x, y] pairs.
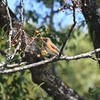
{"points": [[50, 46]]}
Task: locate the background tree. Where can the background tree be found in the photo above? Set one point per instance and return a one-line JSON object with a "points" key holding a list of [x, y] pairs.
{"points": [[68, 71]]}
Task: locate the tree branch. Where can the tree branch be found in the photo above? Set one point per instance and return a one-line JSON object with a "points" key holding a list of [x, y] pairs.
{"points": [[70, 31], [21, 13], [10, 34], [84, 55]]}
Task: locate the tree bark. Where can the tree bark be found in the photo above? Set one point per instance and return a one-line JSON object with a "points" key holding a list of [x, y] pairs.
{"points": [[91, 13], [51, 83]]}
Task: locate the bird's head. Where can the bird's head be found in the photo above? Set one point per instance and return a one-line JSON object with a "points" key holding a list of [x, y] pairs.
{"points": [[46, 39]]}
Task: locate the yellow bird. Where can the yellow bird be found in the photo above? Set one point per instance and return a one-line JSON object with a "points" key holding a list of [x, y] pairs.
{"points": [[50, 46]]}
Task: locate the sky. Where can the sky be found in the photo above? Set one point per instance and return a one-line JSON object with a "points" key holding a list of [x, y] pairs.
{"points": [[11, 4], [59, 17]]}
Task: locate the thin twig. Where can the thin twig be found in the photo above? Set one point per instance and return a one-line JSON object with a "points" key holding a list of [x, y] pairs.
{"points": [[21, 32], [21, 13], [17, 48], [8, 13], [10, 34], [67, 58], [9, 47], [70, 31], [13, 65]]}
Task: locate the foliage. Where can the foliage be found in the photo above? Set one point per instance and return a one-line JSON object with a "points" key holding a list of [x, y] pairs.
{"points": [[82, 75]]}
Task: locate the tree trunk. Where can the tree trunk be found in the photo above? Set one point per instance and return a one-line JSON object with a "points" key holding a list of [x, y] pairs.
{"points": [[91, 13]]}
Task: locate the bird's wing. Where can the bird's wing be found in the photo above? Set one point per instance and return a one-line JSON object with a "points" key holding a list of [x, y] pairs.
{"points": [[55, 47]]}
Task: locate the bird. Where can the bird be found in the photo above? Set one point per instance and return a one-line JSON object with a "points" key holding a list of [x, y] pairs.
{"points": [[51, 48]]}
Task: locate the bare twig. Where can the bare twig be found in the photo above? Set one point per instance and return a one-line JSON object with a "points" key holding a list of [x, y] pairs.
{"points": [[13, 65], [21, 13], [10, 33], [9, 48], [70, 31], [8, 13], [17, 48], [20, 33], [84, 55]]}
